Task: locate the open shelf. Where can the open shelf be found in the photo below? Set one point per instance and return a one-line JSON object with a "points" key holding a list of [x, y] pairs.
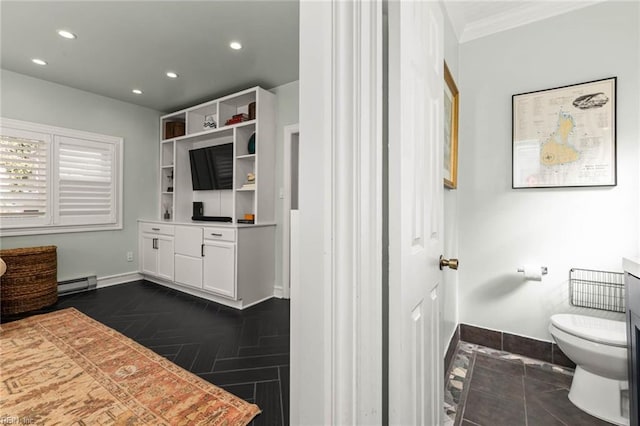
{"points": [[175, 167]]}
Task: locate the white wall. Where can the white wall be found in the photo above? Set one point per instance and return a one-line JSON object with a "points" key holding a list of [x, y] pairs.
{"points": [[449, 305], [287, 113], [502, 228], [101, 253]]}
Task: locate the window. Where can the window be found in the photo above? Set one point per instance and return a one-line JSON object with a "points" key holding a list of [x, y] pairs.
{"points": [[58, 180]]}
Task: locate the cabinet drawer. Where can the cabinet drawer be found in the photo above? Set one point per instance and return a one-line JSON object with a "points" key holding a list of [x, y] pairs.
{"points": [[220, 234], [154, 228]]}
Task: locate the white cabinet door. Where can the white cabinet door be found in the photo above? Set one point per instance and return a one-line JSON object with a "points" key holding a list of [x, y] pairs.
{"points": [[220, 268], [149, 260], [165, 257]]}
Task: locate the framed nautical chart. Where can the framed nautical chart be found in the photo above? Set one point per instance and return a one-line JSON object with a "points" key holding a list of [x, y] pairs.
{"points": [[566, 136]]}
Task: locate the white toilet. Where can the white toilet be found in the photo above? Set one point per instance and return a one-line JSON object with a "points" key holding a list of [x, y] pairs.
{"points": [[598, 346]]}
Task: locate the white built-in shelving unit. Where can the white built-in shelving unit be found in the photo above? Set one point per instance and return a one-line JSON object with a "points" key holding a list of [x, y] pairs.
{"points": [[176, 193]]}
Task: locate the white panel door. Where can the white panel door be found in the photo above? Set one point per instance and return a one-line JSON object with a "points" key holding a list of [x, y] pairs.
{"points": [[219, 268], [415, 212]]}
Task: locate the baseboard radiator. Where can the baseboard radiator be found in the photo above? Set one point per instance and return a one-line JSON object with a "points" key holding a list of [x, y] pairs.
{"points": [[77, 285]]}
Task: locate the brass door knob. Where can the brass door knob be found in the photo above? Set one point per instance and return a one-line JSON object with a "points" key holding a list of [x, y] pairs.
{"points": [[449, 263]]}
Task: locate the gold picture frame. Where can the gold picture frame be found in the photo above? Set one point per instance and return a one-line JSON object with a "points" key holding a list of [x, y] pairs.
{"points": [[450, 150]]}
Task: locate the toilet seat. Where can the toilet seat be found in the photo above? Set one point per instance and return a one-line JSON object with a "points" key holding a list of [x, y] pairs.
{"points": [[598, 330]]}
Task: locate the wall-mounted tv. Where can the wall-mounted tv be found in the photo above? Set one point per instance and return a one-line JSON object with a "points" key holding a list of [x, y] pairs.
{"points": [[212, 167]]}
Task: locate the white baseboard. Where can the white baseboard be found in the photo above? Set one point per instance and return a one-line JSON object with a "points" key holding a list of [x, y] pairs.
{"points": [[110, 280], [278, 292]]}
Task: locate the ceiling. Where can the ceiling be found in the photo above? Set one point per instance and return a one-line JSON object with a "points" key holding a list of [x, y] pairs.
{"points": [[122, 45], [475, 19]]}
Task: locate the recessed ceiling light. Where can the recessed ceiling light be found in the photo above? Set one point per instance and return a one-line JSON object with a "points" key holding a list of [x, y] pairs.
{"points": [[172, 74], [39, 61], [66, 34], [235, 45], [137, 91]]}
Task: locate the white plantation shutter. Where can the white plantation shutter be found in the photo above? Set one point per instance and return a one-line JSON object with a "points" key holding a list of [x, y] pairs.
{"points": [[58, 180], [24, 176], [86, 177]]}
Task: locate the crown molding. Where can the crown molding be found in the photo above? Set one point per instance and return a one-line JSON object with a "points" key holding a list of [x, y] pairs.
{"points": [[527, 13]]}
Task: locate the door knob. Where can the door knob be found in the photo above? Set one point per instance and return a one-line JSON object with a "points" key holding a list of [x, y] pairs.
{"points": [[450, 263]]}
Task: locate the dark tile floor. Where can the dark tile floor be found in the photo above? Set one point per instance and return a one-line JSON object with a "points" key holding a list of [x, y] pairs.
{"points": [[245, 352], [500, 390]]}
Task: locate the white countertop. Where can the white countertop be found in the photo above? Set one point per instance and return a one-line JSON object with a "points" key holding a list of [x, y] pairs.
{"points": [[631, 265], [208, 223]]}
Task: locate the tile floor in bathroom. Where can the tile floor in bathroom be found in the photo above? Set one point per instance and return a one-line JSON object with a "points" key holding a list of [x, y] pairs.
{"points": [[487, 387]]}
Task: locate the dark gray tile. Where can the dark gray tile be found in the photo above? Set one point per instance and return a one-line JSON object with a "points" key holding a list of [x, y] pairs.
{"points": [[262, 350], [501, 385], [242, 376], [558, 405], [245, 391], [481, 336], [538, 416], [251, 362], [451, 350], [502, 366], [486, 409], [275, 341], [284, 390], [548, 376], [532, 386], [465, 391], [531, 348], [268, 399], [559, 358], [186, 356]]}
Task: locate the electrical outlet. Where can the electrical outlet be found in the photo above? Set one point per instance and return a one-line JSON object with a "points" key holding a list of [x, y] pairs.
{"points": [[129, 256]]}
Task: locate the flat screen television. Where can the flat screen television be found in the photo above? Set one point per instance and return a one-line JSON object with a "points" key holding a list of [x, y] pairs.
{"points": [[212, 167]]}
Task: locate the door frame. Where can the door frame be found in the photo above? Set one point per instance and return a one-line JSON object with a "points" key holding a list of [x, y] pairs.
{"points": [[337, 306], [289, 132]]}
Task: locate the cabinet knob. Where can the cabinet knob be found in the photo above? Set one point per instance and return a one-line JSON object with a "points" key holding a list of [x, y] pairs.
{"points": [[155, 229], [216, 234]]}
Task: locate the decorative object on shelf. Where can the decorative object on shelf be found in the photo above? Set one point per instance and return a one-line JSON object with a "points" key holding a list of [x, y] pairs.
{"points": [[252, 111], [249, 216], [251, 145], [170, 179], [238, 118], [173, 129], [251, 181], [565, 136], [167, 215], [209, 122], [450, 130]]}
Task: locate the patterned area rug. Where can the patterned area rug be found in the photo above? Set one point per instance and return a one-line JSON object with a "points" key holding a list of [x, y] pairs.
{"points": [[66, 368]]}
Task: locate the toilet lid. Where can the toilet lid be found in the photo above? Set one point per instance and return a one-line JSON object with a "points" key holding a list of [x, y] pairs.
{"points": [[599, 330]]}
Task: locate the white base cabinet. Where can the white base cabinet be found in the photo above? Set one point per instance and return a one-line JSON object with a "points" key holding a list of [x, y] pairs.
{"points": [[156, 251], [230, 264]]}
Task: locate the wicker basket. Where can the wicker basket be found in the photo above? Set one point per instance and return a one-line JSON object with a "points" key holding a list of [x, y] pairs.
{"points": [[31, 280]]}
